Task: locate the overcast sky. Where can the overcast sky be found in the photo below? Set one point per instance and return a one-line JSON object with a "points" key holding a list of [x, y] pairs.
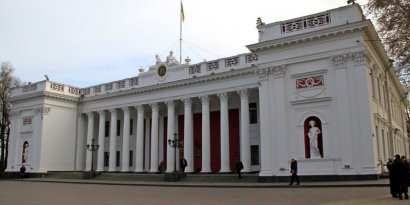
{"points": [[88, 42]]}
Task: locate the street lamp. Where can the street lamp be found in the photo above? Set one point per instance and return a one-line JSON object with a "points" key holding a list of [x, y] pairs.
{"points": [[175, 143], [93, 147]]}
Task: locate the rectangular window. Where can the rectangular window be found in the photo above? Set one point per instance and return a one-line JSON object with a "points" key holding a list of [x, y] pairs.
{"points": [[117, 159], [106, 158], [254, 154], [107, 129], [131, 126], [118, 127], [253, 114], [131, 159]]}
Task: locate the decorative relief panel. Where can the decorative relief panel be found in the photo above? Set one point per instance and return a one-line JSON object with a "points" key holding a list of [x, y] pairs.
{"points": [[133, 81], [262, 73], [27, 121], [212, 66], [306, 23], [75, 91], [57, 87], [309, 82], [108, 86], [278, 70], [195, 69], [229, 62], [97, 89], [120, 84], [29, 87], [85, 91], [251, 58], [14, 114]]}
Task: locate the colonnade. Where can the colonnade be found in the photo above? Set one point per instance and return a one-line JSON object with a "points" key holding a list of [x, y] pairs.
{"points": [[154, 138]]}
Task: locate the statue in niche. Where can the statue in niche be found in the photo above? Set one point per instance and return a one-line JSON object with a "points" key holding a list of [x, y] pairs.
{"points": [[313, 134]]}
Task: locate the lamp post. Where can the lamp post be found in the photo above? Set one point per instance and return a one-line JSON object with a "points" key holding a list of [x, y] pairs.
{"points": [[92, 148], [175, 143]]}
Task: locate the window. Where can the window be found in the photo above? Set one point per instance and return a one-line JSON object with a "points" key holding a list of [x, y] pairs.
{"points": [[131, 126], [106, 159], [254, 154], [117, 157], [253, 115], [131, 159], [118, 127], [107, 129]]}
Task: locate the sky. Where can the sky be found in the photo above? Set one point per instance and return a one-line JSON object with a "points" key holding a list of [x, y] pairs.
{"points": [[88, 42]]}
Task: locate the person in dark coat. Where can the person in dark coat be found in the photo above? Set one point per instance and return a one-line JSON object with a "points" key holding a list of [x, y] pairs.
{"points": [[22, 171], [294, 171], [399, 177], [404, 178], [389, 165], [183, 163], [239, 167]]}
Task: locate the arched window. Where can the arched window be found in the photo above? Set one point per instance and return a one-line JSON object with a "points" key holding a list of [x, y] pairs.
{"points": [[313, 137]]}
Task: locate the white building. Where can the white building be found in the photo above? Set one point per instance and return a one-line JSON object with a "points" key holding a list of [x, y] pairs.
{"points": [[328, 67]]}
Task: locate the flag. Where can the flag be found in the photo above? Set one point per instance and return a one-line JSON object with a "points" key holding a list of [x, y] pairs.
{"points": [[182, 13]]}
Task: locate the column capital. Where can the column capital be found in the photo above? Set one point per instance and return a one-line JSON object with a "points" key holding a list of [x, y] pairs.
{"points": [[125, 109], [223, 97], [204, 99], [187, 102], [89, 114], [170, 104], [243, 93], [113, 110], [154, 106], [262, 73], [339, 61], [101, 112], [278, 70], [140, 108]]}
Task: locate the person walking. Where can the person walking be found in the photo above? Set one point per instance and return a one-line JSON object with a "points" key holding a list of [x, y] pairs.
{"points": [[389, 165], [239, 167], [183, 164], [294, 172], [22, 171]]}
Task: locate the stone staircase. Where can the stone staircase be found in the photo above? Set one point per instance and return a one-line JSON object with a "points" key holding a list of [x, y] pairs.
{"points": [[189, 177]]}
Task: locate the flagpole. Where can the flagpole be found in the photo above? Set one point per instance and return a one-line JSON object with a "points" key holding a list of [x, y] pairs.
{"points": [[180, 33]]}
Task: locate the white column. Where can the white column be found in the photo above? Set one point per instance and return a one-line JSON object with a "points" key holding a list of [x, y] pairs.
{"points": [[101, 140], [154, 138], [126, 141], [170, 136], [224, 133], [245, 145], [147, 147], [113, 141], [188, 138], [90, 133], [139, 142], [206, 138]]}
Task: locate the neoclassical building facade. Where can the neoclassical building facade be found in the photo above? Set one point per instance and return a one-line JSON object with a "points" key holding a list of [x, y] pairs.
{"points": [[319, 89]]}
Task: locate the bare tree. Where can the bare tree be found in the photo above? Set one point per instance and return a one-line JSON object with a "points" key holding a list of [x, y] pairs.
{"points": [[7, 83], [393, 24]]}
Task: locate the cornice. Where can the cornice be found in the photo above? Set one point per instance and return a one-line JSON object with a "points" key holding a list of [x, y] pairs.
{"points": [[310, 37], [174, 84]]}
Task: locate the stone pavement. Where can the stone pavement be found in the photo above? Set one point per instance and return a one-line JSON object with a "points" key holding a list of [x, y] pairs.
{"points": [[49, 191]]}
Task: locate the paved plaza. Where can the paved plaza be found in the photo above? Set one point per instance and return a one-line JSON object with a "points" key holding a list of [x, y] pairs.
{"points": [[24, 192]]}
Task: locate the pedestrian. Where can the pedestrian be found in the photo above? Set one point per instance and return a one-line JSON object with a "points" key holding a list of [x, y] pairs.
{"points": [[294, 172], [404, 178], [393, 191], [239, 167], [183, 164], [399, 177], [22, 171]]}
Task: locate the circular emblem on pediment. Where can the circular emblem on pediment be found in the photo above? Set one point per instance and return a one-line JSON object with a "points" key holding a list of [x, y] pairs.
{"points": [[162, 71]]}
